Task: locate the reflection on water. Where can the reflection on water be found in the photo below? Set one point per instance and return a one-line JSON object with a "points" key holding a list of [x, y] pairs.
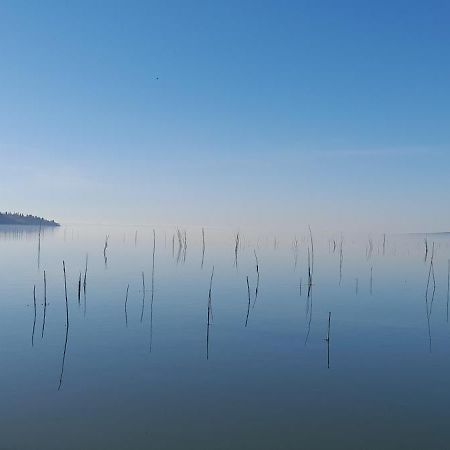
{"points": [[369, 369]]}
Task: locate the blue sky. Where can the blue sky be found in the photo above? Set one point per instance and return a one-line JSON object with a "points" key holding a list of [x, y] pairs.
{"points": [[227, 113]]}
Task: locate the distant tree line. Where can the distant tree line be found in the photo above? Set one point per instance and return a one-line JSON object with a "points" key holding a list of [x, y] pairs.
{"points": [[9, 218]]}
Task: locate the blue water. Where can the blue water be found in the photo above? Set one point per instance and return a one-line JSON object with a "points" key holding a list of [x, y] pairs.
{"points": [[381, 381]]}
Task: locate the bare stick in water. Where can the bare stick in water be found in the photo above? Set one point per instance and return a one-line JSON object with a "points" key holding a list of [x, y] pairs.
{"points": [[257, 278], [85, 274], [371, 280], [295, 250], [248, 307], [45, 305], [429, 305], [39, 245], [126, 301], [309, 270], [65, 293], [143, 296], [79, 289], [209, 314], [309, 311], [67, 329], [312, 250], [104, 250], [34, 320], [327, 339], [236, 249], [203, 247], [184, 246]]}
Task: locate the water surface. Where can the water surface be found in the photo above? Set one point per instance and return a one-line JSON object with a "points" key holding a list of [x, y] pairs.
{"points": [[381, 381]]}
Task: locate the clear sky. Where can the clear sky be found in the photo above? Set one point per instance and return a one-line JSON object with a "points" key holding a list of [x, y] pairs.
{"points": [[236, 113]]}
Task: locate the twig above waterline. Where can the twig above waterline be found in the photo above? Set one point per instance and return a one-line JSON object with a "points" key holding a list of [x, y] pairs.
{"points": [[248, 307], [126, 301], [209, 318], [257, 279], [143, 296], [45, 305], [34, 320], [67, 329], [327, 339]]}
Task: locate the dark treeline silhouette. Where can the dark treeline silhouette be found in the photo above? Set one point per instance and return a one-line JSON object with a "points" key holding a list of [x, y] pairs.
{"points": [[9, 218]]}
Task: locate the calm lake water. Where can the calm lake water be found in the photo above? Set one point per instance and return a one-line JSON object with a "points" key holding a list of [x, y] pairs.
{"points": [[260, 377]]}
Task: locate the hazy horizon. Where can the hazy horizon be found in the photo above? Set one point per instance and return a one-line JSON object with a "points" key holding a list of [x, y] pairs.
{"points": [[275, 116]]}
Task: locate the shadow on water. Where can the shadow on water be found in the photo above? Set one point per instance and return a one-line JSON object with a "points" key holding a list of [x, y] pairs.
{"points": [[309, 311], [24, 232], [309, 299], [429, 302], [327, 339], [34, 320], [126, 301], [67, 329], [248, 305], [210, 315]]}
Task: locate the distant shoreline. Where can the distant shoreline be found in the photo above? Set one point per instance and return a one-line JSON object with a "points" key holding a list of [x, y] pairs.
{"points": [[26, 220]]}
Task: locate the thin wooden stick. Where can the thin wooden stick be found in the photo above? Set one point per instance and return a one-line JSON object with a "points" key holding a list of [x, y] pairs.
{"points": [[312, 250], [209, 318], [79, 289], [236, 248], [257, 278], [203, 247], [328, 339], [143, 296], [85, 274], [34, 320], [39, 245], [67, 329], [126, 301], [65, 292], [45, 305], [248, 307]]}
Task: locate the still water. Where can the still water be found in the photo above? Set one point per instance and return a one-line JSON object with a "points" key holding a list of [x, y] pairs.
{"points": [[262, 375]]}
